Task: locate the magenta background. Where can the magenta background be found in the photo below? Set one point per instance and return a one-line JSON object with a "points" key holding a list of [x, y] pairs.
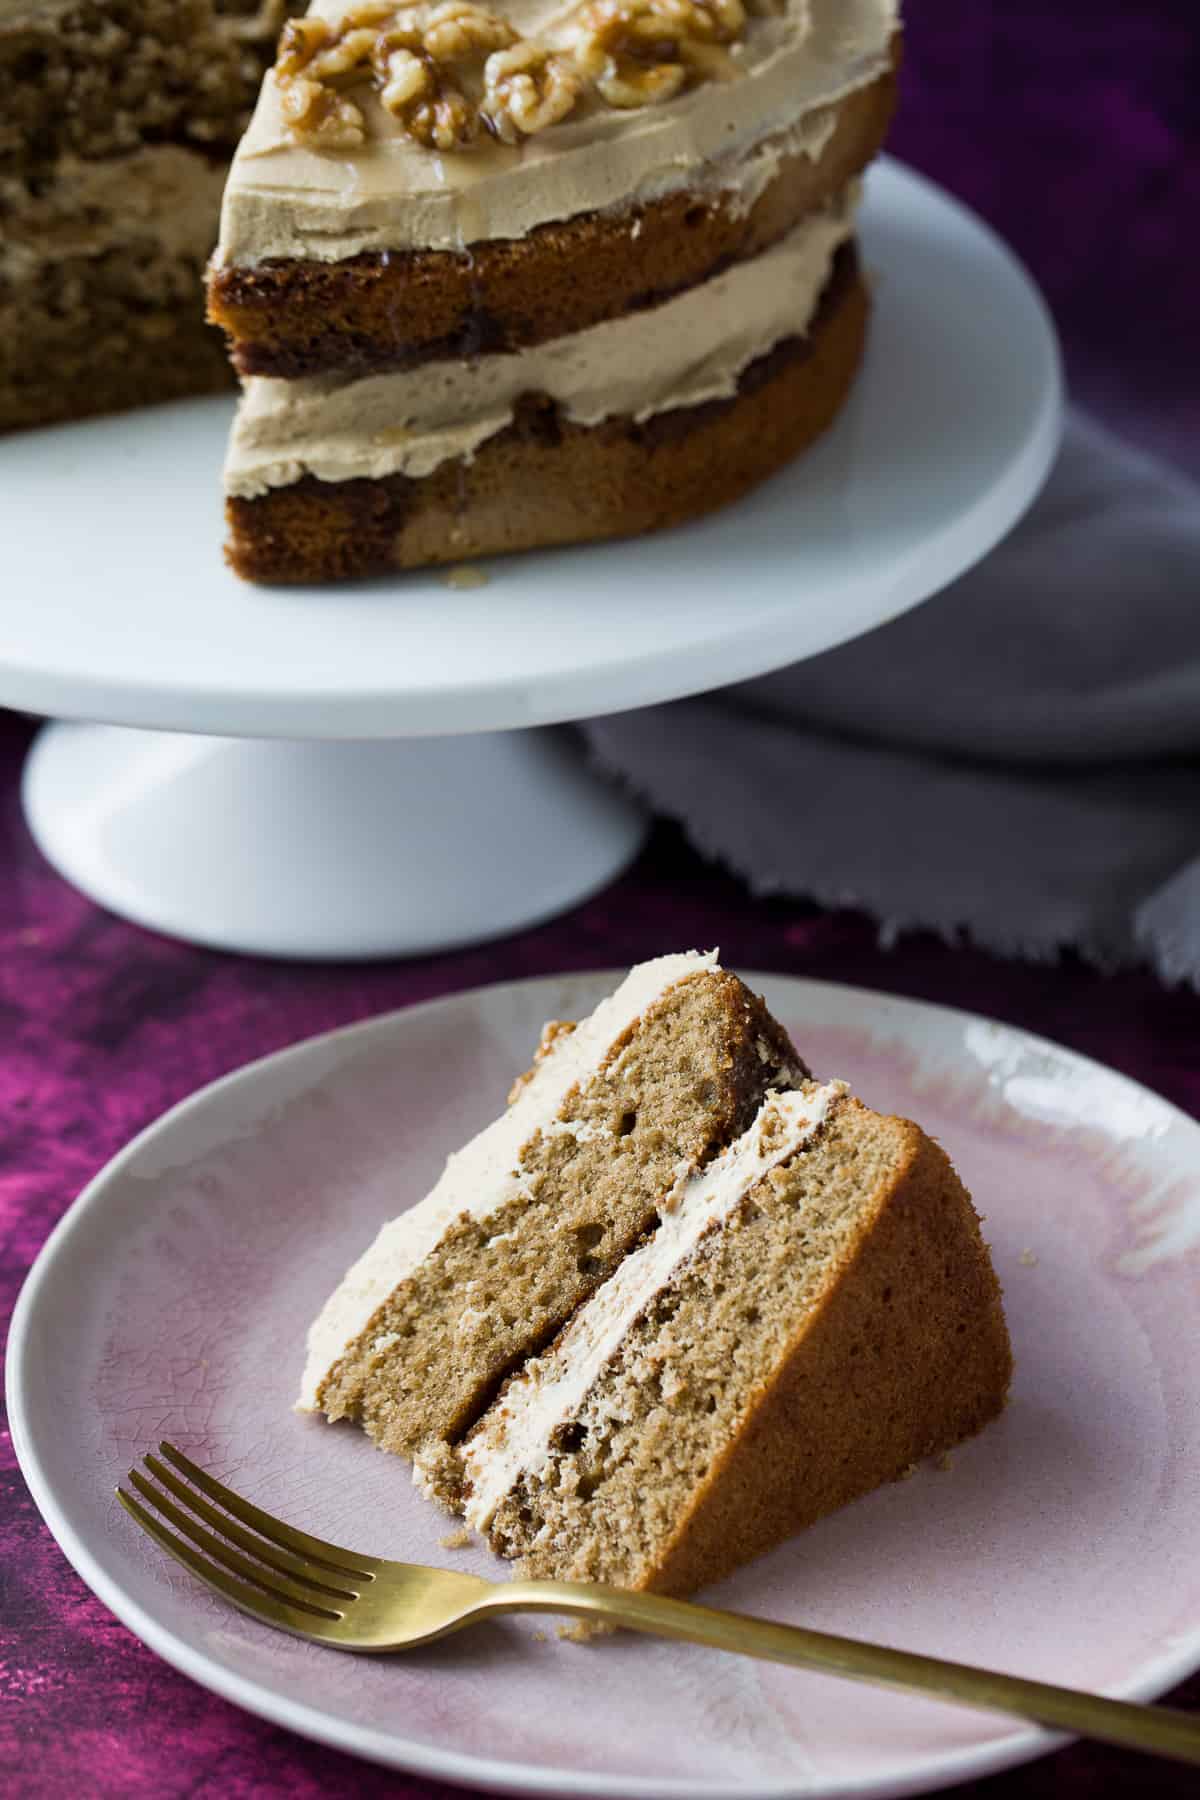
{"points": [[1080, 139]]}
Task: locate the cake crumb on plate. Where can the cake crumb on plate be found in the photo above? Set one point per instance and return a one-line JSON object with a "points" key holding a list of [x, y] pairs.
{"points": [[466, 575]]}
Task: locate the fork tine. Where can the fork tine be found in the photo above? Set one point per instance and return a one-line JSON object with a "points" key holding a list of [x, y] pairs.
{"points": [[253, 1600], [317, 1575], [343, 1562], [296, 1593]]}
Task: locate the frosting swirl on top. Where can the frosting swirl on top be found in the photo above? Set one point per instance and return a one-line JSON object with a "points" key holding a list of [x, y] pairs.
{"points": [[391, 193]]}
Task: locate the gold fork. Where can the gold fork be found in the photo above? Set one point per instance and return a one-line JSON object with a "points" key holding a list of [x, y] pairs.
{"points": [[334, 1596]]}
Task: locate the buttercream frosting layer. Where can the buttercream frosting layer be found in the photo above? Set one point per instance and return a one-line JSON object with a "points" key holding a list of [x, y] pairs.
{"points": [[288, 200], [486, 1174], [688, 350], [161, 194], [517, 1435]]}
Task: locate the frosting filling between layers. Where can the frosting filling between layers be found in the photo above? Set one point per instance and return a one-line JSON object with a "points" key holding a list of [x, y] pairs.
{"points": [[485, 1174], [287, 200], [686, 351], [516, 1437], [162, 195]]}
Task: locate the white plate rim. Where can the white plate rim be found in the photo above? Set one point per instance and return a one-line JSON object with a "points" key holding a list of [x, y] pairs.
{"points": [[389, 1749]]}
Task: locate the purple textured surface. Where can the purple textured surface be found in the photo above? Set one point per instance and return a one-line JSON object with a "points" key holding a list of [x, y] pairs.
{"points": [[1080, 140]]}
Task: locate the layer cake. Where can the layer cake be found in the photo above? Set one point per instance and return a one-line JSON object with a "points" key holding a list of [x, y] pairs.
{"points": [[678, 1302], [566, 272]]}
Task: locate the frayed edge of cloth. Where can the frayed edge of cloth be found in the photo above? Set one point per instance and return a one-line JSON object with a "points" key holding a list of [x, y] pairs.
{"points": [[1158, 937]]}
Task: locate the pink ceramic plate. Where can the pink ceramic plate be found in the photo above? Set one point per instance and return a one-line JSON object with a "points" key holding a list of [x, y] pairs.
{"points": [[1064, 1543]]}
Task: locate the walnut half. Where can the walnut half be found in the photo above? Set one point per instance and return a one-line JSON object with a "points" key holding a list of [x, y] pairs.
{"points": [[526, 88], [642, 52], [314, 67], [426, 68]]}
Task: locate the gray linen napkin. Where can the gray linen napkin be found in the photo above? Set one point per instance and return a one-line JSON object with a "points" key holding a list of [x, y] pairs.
{"points": [[1010, 760]]}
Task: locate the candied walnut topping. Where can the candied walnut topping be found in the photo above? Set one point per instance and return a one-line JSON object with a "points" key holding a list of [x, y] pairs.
{"points": [[642, 52], [457, 30], [453, 69], [315, 66], [427, 69], [526, 88], [317, 112]]}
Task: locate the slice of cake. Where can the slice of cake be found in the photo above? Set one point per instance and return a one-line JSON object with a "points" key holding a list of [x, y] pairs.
{"points": [[498, 277], [677, 1303], [118, 121], [815, 1313], [616, 1115]]}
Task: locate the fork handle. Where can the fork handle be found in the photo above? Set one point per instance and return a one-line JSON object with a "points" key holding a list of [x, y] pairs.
{"points": [[1158, 1729]]}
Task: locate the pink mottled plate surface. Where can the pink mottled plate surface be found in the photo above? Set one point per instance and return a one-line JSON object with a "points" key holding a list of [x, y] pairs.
{"points": [[1064, 1543]]}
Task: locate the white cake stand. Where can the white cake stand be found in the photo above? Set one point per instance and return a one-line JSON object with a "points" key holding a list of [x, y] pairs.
{"points": [[314, 825]]}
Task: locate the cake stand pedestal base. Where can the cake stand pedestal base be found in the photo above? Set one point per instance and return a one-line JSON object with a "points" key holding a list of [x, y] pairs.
{"points": [[327, 850]]}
